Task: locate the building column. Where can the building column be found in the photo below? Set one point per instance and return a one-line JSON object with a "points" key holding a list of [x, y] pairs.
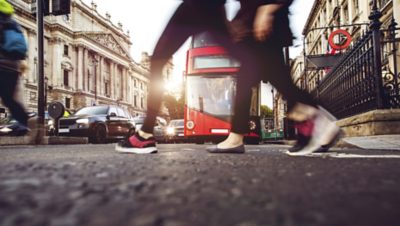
{"points": [[85, 67], [31, 54], [396, 14], [79, 71], [112, 80], [55, 77], [100, 78], [123, 84]]}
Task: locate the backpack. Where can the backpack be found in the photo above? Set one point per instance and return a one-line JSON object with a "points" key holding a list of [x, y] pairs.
{"points": [[14, 44]]}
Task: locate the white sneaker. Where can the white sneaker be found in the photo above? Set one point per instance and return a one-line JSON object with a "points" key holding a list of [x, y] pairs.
{"points": [[325, 134]]}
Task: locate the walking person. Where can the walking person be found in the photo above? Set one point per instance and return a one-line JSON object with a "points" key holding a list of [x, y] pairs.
{"points": [[11, 54], [191, 17], [262, 27]]}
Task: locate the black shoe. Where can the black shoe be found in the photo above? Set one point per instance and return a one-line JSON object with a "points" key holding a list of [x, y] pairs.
{"points": [[301, 142], [137, 145], [235, 150]]}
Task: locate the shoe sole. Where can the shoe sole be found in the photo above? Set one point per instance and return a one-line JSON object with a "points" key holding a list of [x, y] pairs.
{"points": [[236, 150], [149, 150], [316, 148], [338, 136]]}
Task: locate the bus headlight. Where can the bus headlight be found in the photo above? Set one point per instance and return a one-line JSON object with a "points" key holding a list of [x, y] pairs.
{"points": [[252, 125], [190, 124]]}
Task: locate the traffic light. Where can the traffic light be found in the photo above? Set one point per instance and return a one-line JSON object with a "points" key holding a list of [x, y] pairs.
{"points": [[61, 7], [58, 7], [46, 7]]}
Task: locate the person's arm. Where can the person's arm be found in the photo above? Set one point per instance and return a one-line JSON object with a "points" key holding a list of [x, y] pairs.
{"points": [[264, 20]]}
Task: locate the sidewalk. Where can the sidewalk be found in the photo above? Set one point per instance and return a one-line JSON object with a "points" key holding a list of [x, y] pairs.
{"points": [[379, 142]]}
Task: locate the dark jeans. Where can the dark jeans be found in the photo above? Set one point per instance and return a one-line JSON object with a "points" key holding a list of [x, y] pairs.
{"points": [[266, 64], [8, 85]]}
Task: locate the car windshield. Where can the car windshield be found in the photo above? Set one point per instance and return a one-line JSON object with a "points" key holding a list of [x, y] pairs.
{"points": [[94, 110], [176, 123]]}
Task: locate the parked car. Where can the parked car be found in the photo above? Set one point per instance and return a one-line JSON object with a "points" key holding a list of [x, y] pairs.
{"points": [[11, 127], [158, 130], [174, 131], [99, 123]]}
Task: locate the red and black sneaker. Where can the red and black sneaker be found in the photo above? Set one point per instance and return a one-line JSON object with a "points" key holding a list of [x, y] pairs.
{"points": [[304, 133], [137, 145]]}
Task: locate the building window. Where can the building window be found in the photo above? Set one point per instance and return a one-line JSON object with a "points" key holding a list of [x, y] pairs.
{"points": [[142, 102], [345, 15], [135, 83], [89, 77], [68, 102], [135, 101], [106, 88], [66, 50], [66, 78]]}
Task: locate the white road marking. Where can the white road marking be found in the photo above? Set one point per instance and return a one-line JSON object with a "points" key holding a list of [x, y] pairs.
{"points": [[351, 156]]}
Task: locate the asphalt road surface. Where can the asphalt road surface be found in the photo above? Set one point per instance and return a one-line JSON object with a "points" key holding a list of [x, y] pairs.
{"points": [[182, 185]]}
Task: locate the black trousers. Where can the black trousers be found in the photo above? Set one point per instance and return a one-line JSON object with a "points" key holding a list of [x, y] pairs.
{"points": [[8, 85], [187, 20], [258, 62], [266, 64]]}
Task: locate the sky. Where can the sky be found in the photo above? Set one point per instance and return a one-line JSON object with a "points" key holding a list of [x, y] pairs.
{"points": [[146, 19]]}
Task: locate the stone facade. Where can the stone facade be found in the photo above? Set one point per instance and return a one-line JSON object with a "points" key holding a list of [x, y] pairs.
{"points": [[87, 60], [352, 16], [329, 15]]}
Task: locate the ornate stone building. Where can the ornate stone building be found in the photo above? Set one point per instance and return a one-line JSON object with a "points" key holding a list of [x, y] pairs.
{"points": [[87, 60]]}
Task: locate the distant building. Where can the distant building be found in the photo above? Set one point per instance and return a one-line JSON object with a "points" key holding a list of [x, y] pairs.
{"points": [[87, 60]]}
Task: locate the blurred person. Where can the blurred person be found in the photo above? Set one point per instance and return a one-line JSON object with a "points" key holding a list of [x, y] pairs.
{"points": [[10, 69], [191, 17], [262, 27]]}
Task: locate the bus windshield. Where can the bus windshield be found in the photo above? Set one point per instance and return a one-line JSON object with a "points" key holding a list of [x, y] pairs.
{"points": [[211, 94]]}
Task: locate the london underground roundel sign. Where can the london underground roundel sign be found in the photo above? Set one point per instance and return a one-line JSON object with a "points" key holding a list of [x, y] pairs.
{"points": [[340, 46]]}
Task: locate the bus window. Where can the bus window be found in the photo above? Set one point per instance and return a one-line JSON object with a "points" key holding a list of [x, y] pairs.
{"points": [[204, 62]]}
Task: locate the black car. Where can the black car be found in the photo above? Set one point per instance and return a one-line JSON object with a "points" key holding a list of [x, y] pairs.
{"points": [[98, 123]]}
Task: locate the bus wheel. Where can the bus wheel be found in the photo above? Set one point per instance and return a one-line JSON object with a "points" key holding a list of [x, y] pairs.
{"points": [[198, 141]]}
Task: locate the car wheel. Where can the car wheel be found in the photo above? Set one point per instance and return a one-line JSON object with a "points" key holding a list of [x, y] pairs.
{"points": [[199, 141], [100, 134]]}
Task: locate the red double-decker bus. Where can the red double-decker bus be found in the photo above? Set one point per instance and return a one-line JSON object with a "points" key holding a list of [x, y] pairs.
{"points": [[210, 86]]}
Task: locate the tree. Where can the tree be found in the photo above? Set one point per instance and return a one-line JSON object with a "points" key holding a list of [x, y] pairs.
{"points": [[266, 112]]}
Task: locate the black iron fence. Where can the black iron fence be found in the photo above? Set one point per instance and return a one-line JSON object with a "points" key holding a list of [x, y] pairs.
{"points": [[367, 76]]}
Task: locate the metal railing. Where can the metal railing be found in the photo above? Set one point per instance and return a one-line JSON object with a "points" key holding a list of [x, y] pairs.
{"points": [[362, 81]]}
